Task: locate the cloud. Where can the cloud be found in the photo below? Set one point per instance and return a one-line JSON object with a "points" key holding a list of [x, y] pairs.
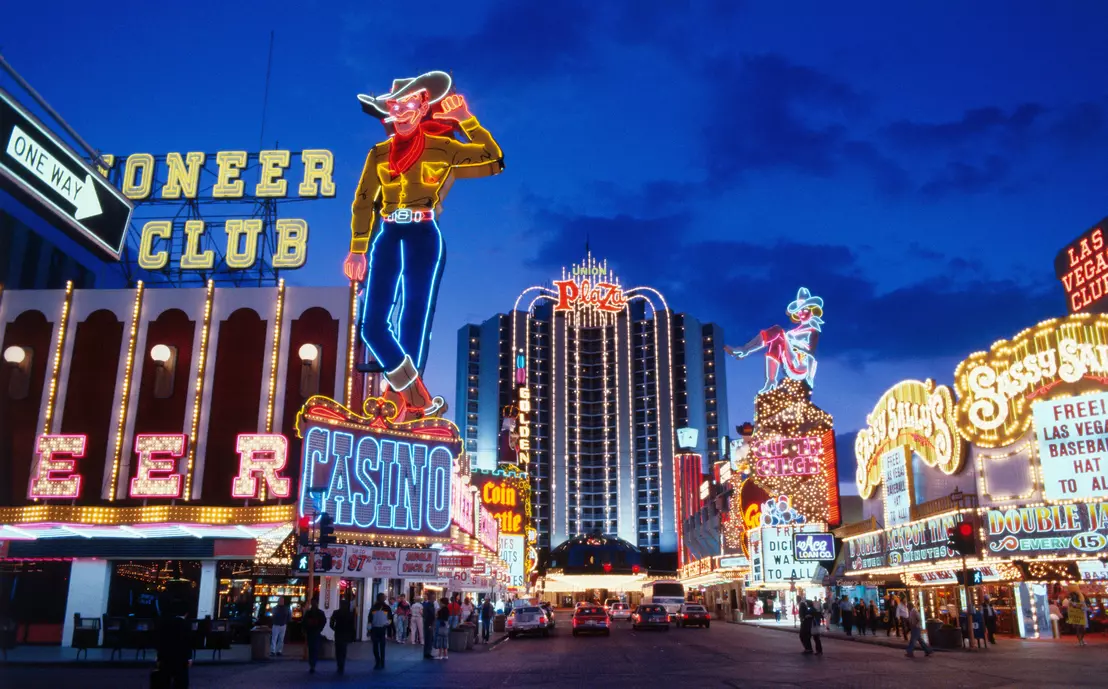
{"points": [[968, 178], [745, 286], [973, 127]]}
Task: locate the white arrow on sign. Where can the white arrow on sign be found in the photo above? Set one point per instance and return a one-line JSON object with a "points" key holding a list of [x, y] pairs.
{"points": [[31, 155]]}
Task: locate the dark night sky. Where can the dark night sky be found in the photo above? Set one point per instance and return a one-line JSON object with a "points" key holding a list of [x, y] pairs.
{"points": [[917, 164]]}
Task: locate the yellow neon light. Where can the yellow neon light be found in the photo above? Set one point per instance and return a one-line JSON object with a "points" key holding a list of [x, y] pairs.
{"points": [[292, 244], [193, 258], [182, 176], [351, 345], [148, 259], [201, 370], [242, 233], [125, 392], [228, 185], [1056, 358], [138, 176], [271, 182], [59, 344], [319, 168]]}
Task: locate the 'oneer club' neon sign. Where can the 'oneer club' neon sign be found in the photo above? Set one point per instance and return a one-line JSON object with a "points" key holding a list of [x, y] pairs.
{"points": [[378, 481]]}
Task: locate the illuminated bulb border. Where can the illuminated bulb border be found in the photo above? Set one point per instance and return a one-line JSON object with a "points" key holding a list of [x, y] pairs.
{"points": [[351, 345], [63, 326], [201, 370], [125, 398]]}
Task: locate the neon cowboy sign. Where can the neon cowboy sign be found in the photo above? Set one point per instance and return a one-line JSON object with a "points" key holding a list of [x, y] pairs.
{"points": [[375, 476]]}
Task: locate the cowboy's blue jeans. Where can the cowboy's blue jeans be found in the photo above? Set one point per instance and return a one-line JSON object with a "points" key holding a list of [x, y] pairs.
{"points": [[405, 267]]}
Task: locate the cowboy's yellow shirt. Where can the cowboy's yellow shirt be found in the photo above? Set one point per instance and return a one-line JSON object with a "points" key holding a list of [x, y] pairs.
{"points": [[426, 183]]}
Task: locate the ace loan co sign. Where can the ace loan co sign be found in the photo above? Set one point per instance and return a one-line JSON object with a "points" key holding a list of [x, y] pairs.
{"points": [[36, 165]]}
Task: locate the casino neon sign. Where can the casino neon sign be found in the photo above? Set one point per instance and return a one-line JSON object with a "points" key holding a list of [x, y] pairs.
{"points": [[374, 476]]}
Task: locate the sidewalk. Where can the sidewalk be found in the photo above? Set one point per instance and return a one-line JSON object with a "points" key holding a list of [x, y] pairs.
{"points": [[1005, 644], [236, 655]]}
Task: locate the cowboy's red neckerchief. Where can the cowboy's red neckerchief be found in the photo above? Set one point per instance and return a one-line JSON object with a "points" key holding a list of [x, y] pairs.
{"points": [[406, 150]]}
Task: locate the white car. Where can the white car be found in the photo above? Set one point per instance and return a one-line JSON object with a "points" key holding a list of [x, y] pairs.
{"points": [[527, 620], [620, 611]]}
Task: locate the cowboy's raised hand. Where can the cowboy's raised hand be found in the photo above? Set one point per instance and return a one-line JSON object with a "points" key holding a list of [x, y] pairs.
{"points": [[454, 109]]}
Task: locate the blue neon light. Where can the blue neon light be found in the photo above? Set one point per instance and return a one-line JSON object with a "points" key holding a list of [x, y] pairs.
{"points": [[378, 484]]}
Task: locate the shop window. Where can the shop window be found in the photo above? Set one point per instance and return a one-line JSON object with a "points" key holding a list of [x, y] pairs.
{"points": [[135, 585]]}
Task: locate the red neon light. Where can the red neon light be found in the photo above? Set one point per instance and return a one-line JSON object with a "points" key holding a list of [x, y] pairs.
{"points": [[603, 296], [326, 412], [1082, 267]]}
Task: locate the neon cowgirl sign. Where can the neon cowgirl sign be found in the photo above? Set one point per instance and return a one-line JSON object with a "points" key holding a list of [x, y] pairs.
{"points": [[376, 477]]}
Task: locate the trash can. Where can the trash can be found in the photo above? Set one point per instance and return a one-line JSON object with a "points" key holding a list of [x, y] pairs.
{"points": [[260, 640], [498, 623], [458, 639]]}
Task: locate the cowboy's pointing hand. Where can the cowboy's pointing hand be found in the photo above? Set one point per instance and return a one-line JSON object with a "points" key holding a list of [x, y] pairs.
{"points": [[454, 109]]}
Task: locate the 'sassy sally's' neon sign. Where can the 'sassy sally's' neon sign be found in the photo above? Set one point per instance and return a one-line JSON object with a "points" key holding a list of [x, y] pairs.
{"points": [[371, 482]]}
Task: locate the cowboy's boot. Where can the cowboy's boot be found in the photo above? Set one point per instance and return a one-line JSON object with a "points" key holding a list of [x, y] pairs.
{"points": [[417, 401]]}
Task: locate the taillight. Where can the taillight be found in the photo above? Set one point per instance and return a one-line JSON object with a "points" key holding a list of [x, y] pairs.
{"points": [[686, 616], [542, 620], [511, 621]]}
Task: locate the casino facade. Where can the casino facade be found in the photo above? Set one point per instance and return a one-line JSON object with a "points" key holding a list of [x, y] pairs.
{"points": [[611, 373]]}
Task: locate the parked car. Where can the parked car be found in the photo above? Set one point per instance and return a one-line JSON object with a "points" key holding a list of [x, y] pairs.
{"points": [[620, 611], [527, 620], [693, 615], [549, 610], [591, 618], [650, 617]]}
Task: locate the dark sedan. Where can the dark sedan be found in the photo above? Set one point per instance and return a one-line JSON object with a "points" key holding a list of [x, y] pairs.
{"points": [[650, 617], [694, 616]]}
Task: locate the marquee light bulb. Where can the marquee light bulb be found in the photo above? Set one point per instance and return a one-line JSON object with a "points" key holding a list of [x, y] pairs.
{"points": [[15, 355], [160, 353]]}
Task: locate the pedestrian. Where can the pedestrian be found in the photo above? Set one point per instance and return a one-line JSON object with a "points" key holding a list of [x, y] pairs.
{"points": [[902, 616], [890, 616], [314, 622], [403, 616], [174, 646], [415, 622], [455, 611], [846, 615], [429, 615], [391, 631], [776, 605], [487, 614], [874, 617], [442, 630], [279, 620], [1055, 617], [1077, 616], [817, 630], [467, 610], [806, 614], [989, 612], [835, 611], [380, 617], [345, 627], [860, 616], [915, 631]]}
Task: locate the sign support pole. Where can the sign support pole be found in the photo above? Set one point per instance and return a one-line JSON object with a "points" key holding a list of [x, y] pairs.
{"points": [[969, 604]]}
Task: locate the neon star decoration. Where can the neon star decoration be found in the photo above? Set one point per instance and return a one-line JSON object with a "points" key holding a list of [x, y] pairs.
{"points": [[55, 474], [789, 353]]}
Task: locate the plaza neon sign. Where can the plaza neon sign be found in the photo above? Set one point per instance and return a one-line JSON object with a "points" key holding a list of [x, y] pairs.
{"points": [[584, 294], [376, 481]]}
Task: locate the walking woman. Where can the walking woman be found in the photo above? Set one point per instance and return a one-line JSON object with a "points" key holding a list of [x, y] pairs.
{"points": [[1077, 616], [442, 630], [874, 617]]}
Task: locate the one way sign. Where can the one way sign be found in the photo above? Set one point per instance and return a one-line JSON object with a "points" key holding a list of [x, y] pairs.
{"points": [[38, 166]]}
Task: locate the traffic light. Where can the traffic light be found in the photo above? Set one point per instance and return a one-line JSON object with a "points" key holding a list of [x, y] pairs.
{"points": [[326, 530], [325, 562], [304, 529], [971, 578], [960, 539], [301, 562]]}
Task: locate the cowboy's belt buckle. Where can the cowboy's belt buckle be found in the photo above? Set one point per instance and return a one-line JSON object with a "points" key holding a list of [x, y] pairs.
{"points": [[402, 215]]}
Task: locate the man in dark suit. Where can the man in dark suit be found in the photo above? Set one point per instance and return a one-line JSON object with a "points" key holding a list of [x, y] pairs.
{"points": [[428, 624]]}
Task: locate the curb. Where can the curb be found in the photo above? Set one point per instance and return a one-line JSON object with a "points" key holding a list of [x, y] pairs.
{"points": [[836, 637]]}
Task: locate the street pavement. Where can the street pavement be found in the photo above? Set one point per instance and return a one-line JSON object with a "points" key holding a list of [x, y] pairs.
{"points": [[726, 655]]}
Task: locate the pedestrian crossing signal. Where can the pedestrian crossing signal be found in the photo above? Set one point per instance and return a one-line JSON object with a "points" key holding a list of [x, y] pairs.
{"points": [[325, 562], [301, 561]]}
